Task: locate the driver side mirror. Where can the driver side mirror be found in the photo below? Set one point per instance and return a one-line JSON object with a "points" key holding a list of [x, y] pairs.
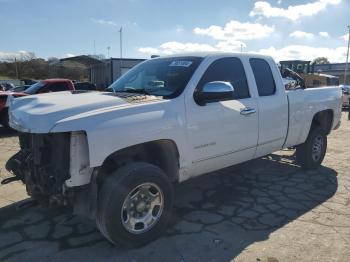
{"points": [[214, 92]]}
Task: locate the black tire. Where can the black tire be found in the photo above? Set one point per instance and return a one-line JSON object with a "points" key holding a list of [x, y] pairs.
{"points": [[304, 152], [115, 189], [4, 118]]}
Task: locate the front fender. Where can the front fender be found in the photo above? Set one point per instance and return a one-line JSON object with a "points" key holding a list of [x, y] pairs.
{"points": [[113, 130]]}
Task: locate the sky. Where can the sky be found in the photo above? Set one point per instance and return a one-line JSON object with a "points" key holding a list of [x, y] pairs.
{"points": [[283, 29]]}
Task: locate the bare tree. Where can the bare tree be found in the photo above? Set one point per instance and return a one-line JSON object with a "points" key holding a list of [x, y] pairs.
{"points": [[20, 56], [320, 61], [98, 56], [26, 56], [53, 60]]}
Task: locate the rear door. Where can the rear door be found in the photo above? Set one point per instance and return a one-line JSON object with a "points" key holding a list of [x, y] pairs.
{"points": [[226, 132], [272, 104]]}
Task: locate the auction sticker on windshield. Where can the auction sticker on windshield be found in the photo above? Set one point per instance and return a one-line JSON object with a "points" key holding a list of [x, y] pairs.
{"points": [[181, 63]]}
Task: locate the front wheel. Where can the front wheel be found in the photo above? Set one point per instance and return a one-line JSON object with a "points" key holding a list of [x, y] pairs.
{"points": [[311, 154], [135, 204], [4, 118]]}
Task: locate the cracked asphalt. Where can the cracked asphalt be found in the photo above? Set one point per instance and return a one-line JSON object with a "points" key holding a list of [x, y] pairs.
{"points": [[263, 210]]}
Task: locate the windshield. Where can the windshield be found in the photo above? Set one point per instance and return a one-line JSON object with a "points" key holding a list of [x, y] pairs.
{"points": [[33, 89], [165, 77]]}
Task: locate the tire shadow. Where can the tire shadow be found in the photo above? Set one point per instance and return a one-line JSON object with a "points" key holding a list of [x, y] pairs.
{"points": [[7, 132], [216, 216]]}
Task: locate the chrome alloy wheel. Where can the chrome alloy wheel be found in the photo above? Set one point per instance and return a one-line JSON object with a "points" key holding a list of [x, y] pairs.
{"points": [[142, 208], [317, 148]]}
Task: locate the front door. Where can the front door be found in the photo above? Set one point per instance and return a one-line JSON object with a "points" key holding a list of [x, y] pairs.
{"points": [[223, 133]]}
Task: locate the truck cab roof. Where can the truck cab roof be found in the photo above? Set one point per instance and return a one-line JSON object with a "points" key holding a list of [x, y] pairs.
{"points": [[215, 54]]}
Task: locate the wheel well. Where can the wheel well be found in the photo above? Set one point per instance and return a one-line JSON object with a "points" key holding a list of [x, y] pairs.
{"points": [[4, 116], [162, 153], [323, 119]]}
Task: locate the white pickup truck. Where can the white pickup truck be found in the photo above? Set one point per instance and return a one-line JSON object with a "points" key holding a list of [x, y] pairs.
{"points": [[115, 156]]}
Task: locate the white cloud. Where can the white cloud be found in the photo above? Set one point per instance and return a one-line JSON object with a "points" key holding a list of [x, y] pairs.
{"points": [[69, 55], [179, 29], [305, 52], [289, 52], [148, 50], [103, 22], [170, 48], [263, 8], [301, 34], [323, 34], [20, 55], [231, 36], [344, 37], [235, 30], [230, 46]]}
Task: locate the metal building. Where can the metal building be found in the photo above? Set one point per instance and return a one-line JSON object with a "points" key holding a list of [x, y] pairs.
{"points": [[105, 73], [336, 69]]}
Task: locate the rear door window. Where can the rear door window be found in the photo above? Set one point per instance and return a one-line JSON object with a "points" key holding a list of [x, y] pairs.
{"points": [[263, 77]]}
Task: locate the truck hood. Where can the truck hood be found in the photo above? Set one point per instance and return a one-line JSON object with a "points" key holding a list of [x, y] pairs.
{"points": [[7, 96], [40, 113]]}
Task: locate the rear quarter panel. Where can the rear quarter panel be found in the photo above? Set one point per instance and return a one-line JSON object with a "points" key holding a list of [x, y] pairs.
{"points": [[304, 104]]}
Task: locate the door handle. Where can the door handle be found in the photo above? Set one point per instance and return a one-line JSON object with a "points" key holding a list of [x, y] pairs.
{"points": [[247, 111]]}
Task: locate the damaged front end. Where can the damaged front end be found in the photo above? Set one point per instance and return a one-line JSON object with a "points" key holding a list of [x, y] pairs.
{"points": [[43, 165]]}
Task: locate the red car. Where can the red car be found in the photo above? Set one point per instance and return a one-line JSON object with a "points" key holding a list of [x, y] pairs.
{"points": [[44, 86]]}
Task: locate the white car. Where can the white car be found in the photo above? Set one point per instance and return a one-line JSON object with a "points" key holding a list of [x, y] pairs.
{"points": [[115, 156], [346, 95]]}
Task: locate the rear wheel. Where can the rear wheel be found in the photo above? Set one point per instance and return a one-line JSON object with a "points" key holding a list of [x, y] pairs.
{"points": [[135, 204], [311, 154]]}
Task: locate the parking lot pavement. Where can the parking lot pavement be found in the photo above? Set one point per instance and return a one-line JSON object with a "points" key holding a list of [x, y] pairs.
{"points": [[8, 146], [264, 210]]}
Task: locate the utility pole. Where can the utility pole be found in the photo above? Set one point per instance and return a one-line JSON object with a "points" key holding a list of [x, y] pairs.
{"points": [[94, 47], [347, 58], [121, 41], [16, 64], [108, 49], [241, 48], [121, 51]]}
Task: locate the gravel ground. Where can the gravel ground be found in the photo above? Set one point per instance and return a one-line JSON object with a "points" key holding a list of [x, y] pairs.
{"points": [[264, 210]]}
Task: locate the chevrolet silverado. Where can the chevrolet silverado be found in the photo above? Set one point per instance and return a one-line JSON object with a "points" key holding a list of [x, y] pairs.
{"points": [[115, 156]]}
